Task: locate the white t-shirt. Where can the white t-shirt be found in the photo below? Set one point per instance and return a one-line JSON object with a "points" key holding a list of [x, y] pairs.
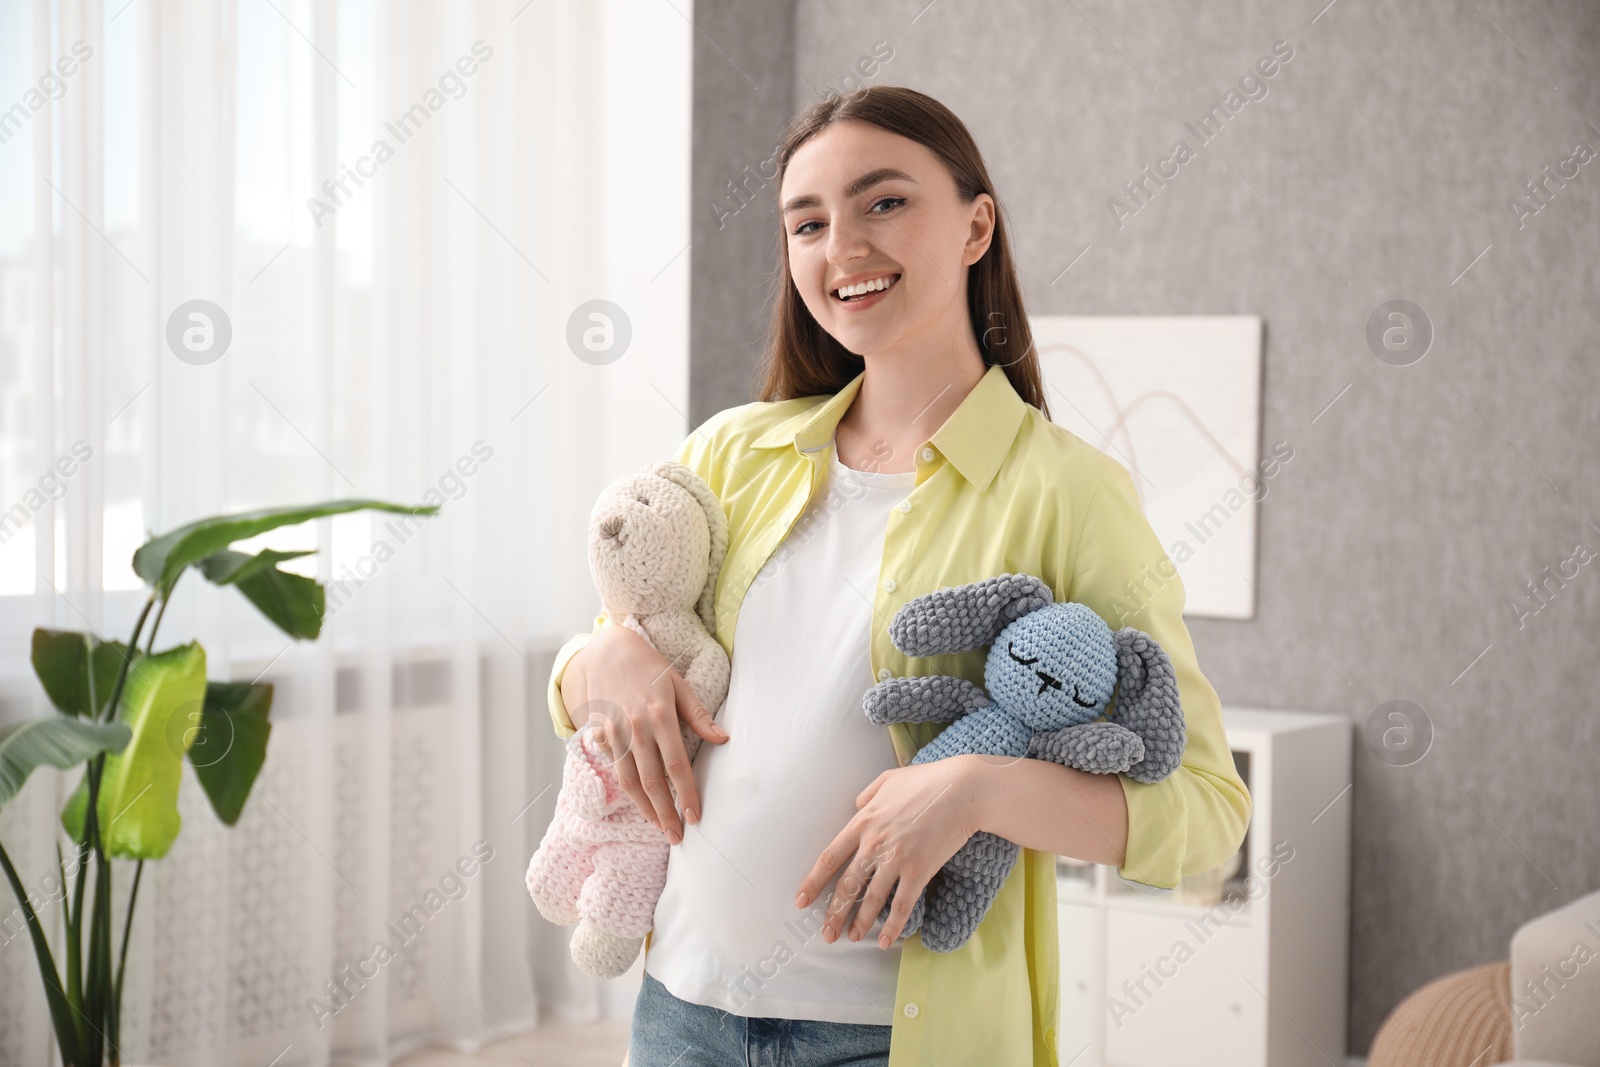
{"points": [[727, 932]]}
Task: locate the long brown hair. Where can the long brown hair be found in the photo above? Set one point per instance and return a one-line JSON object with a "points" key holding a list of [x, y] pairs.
{"points": [[803, 359]]}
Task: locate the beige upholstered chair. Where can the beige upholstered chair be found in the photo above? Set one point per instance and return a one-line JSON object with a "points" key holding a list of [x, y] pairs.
{"points": [[1469, 1018]]}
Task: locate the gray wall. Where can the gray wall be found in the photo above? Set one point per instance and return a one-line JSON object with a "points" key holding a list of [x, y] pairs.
{"points": [[744, 64], [1427, 496]]}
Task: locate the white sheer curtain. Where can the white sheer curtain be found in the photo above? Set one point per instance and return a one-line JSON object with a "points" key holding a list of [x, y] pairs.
{"points": [[400, 321]]}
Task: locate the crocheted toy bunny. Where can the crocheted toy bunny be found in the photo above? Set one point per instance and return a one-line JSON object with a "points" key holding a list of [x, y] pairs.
{"points": [[1050, 673], [656, 545]]}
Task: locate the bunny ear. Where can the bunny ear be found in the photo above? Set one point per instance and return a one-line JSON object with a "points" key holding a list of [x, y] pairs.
{"points": [[716, 522], [1147, 703], [966, 617]]}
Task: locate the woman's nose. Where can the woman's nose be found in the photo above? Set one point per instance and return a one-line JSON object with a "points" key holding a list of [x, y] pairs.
{"points": [[846, 242]]}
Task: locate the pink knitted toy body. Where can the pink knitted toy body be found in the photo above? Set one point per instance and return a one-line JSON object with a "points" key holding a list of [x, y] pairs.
{"points": [[656, 545], [600, 866]]}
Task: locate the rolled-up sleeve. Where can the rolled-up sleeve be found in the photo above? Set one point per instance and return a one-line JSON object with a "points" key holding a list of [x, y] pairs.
{"points": [[695, 452], [558, 707], [1194, 819]]}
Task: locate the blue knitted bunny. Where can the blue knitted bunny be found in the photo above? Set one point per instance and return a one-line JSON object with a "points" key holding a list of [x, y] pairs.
{"points": [[1050, 673]]}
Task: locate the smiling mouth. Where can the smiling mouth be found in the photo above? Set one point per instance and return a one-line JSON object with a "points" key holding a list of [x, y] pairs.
{"points": [[894, 279]]}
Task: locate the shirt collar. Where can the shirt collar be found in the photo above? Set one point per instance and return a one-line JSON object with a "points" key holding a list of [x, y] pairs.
{"points": [[974, 438]]}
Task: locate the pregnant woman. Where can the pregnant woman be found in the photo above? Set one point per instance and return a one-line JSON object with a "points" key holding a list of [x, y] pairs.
{"points": [[901, 442]]}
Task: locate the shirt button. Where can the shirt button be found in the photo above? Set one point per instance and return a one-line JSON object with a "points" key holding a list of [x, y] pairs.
{"points": [[884, 674], [911, 1011], [927, 457], [888, 585], [905, 505]]}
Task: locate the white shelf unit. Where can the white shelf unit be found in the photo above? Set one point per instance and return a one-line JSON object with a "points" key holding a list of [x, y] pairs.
{"points": [[1257, 980]]}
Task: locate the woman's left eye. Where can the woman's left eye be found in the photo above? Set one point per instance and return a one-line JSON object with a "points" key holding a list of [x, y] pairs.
{"points": [[894, 201]]}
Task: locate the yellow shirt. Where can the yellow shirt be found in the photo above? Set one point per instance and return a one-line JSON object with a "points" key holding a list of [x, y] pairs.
{"points": [[999, 488]]}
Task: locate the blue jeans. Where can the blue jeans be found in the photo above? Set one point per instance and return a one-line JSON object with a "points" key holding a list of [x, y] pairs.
{"points": [[668, 1032]]}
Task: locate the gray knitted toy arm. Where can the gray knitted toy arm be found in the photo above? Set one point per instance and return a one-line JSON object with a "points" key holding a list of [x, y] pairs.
{"points": [[966, 617], [1095, 747], [1147, 703], [931, 698]]}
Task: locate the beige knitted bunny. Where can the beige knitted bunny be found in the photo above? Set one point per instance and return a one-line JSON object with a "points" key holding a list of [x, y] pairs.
{"points": [[656, 544]]}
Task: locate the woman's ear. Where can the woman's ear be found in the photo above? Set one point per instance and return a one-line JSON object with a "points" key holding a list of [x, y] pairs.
{"points": [[981, 230]]}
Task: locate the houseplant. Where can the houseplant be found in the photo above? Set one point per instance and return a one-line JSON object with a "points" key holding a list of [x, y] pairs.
{"points": [[132, 717]]}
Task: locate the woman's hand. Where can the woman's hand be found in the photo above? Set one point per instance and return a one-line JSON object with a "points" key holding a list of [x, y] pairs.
{"points": [[908, 822], [634, 699]]}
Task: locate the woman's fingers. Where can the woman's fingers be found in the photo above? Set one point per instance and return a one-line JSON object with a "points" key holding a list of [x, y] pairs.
{"points": [[619, 732], [694, 713], [844, 855], [832, 857], [628, 780], [677, 776], [682, 774], [658, 795], [855, 880], [906, 895], [905, 898], [876, 895], [641, 702]]}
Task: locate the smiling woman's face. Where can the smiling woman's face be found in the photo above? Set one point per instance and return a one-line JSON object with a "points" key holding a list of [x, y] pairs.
{"points": [[863, 205]]}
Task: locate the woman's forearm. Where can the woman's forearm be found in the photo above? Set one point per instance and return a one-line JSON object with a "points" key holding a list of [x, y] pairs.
{"points": [[1050, 808]]}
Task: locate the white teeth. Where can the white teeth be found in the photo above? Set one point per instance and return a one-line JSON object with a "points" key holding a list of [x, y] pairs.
{"points": [[866, 287]]}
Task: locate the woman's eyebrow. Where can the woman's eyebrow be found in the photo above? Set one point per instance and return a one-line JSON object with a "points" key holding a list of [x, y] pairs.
{"points": [[854, 189]]}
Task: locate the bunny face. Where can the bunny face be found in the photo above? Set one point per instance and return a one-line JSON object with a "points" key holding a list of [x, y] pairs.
{"points": [[649, 545], [1053, 667]]}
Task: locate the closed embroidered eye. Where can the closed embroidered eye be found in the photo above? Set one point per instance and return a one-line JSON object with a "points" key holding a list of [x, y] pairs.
{"points": [[641, 498], [1079, 700], [1047, 682], [1011, 649]]}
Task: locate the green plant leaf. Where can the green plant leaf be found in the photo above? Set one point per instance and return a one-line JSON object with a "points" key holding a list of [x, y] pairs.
{"points": [[228, 566], [160, 560], [62, 660], [231, 745], [293, 602], [59, 740], [138, 808]]}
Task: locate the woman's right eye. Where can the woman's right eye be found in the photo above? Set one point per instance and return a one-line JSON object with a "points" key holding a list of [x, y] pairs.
{"points": [[801, 231]]}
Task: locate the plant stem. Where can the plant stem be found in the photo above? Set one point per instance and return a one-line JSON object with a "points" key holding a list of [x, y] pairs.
{"points": [[100, 945], [127, 661], [94, 991], [74, 990], [113, 1009], [66, 905], [122, 963], [99, 1000], [69, 1035], [157, 624], [91, 1000], [74, 916]]}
